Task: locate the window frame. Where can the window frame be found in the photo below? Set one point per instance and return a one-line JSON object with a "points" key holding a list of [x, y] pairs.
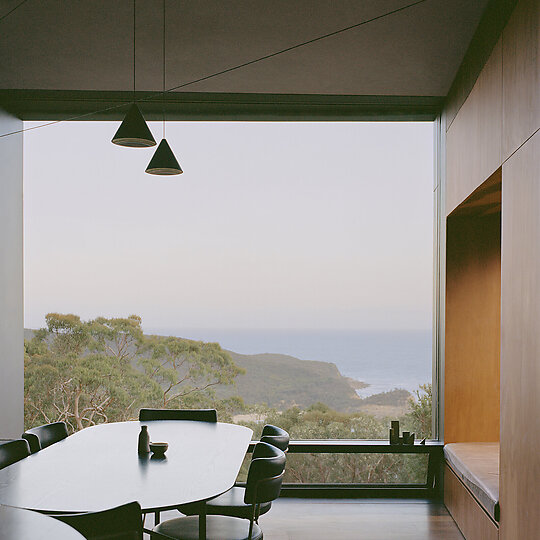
{"points": [[42, 105]]}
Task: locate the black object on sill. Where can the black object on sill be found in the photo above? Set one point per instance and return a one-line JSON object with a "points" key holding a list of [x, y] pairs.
{"points": [[394, 432], [395, 438]]}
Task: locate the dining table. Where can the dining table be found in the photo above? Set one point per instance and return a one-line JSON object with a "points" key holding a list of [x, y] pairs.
{"points": [[21, 524], [99, 467]]}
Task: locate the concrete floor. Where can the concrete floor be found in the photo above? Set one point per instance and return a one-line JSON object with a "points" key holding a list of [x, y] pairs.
{"points": [[354, 519]]}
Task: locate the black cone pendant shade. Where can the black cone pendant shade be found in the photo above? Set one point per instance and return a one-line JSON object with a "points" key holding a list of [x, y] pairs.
{"points": [[133, 131], [163, 162]]}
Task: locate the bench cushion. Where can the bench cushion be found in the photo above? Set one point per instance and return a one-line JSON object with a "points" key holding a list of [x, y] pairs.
{"points": [[477, 466]]}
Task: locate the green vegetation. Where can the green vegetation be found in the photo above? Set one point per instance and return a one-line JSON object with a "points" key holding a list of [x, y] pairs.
{"points": [[106, 369], [420, 415], [321, 422]]}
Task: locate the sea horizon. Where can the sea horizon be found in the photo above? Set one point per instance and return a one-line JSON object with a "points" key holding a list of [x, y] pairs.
{"points": [[383, 359]]}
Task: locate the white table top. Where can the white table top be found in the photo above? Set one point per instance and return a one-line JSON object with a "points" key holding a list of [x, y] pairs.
{"points": [[20, 524], [99, 468]]}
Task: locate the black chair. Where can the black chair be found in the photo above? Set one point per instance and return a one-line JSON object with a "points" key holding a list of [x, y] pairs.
{"points": [[43, 436], [13, 451], [199, 415], [231, 503], [263, 485], [276, 436], [120, 523]]}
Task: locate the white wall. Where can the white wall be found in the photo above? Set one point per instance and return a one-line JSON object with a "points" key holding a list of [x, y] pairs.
{"points": [[11, 278]]}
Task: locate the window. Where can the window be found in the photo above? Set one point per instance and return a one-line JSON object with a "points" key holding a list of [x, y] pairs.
{"points": [[297, 257]]}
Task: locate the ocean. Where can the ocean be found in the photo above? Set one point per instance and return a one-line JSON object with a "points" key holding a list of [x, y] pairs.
{"points": [[383, 359]]}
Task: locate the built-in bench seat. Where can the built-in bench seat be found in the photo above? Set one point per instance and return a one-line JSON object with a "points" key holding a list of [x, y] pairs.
{"points": [[477, 466]]}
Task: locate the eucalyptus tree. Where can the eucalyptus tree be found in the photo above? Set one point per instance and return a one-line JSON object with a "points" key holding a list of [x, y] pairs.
{"points": [[81, 372], [105, 369], [187, 370]]}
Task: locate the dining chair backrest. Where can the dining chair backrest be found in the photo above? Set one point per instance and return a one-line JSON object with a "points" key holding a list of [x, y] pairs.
{"points": [[276, 436], [120, 523], [265, 474], [200, 415], [13, 451], [42, 436]]}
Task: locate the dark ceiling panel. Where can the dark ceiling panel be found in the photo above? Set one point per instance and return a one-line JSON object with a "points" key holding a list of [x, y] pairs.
{"points": [[87, 45], [95, 105]]}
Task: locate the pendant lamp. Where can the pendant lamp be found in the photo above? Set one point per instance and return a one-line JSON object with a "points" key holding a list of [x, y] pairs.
{"points": [[133, 131], [163, 161]]}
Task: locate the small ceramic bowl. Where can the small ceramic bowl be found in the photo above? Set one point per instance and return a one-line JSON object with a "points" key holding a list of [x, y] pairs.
{"points": [[159, 448]]}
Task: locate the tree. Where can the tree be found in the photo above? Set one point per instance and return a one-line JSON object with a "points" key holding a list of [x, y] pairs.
{"points": [[81, 373], [420, 415], [70, 335], [186, 370], [105, 369], [121, 338]]}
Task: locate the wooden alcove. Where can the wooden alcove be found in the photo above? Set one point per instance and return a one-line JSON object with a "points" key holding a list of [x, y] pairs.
{"points": [[473, 345], [473, 313]]}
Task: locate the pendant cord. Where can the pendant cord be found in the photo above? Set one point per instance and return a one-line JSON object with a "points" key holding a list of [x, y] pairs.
{"points": [[134, 46], [12, 10], [163, 96]]}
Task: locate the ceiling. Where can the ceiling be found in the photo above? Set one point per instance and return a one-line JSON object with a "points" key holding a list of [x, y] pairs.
{"points": [[88, 45]]}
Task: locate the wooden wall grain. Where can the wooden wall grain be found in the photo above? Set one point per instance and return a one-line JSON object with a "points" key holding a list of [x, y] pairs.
{"points": [[501, 111], [520, 354], [521, 76], [497, 125], [476, 135], [486, 36], [472, 339], [470, 517]]}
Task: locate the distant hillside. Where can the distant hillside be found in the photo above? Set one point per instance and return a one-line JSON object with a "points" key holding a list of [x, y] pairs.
{"points": [[394, 398], [283, 381]]}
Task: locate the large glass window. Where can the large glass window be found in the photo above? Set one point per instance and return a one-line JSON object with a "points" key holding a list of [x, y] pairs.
{"points": [[285, 277]]}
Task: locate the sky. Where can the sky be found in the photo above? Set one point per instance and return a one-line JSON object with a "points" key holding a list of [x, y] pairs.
{"points": [[271, 226]]}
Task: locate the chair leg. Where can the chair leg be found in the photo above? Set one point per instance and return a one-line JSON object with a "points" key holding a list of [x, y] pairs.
{"points": [[253, 514], [202, 521], [258, 513]]}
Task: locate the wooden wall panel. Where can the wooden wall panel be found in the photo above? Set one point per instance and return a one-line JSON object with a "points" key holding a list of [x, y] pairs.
{"points": [[520, 353], [474, 140], [484, 40], [521, 76], [471, 519], [476, 145], [472, 339]]}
